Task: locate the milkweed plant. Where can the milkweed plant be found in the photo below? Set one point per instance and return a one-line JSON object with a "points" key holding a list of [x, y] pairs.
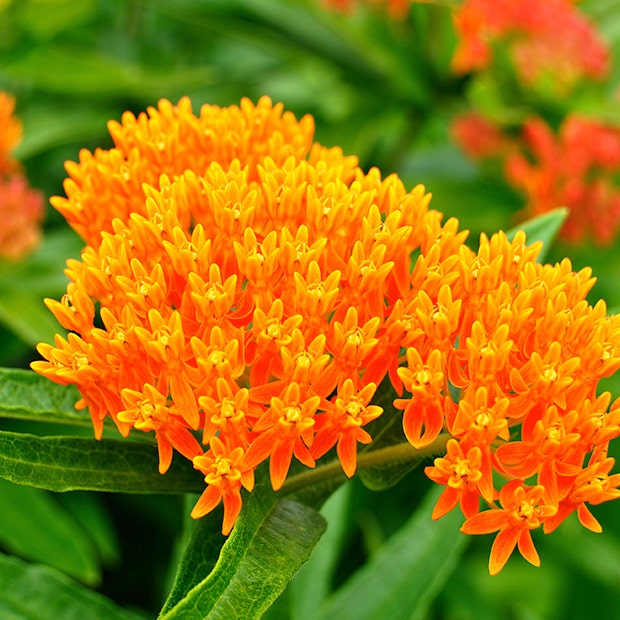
{"points": [[254, 319]]}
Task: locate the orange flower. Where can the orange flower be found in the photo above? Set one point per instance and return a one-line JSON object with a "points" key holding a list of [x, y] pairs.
{"points": [[149, 411], [521, 512], [287, 428], [10, 134], [21, 210], [342, 425], [21, 207], [225, 474], [252, 290], [460, 473], [575, 168]]}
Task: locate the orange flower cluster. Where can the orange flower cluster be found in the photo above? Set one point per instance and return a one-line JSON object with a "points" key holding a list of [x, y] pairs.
{"points": [[21, 207], [251, 289], [576, 167], [546, 38]]}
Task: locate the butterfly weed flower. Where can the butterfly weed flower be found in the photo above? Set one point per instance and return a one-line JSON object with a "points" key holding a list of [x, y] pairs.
{"points": [[247, 296]]}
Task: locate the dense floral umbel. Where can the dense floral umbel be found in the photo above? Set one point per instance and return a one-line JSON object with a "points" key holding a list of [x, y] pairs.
{"points": [[246, 305], [576, 167], [547, 38]]}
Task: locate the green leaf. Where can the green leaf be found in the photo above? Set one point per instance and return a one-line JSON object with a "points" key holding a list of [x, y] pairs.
{"points": [[268, 544], [32, 592], [312, 584], [81, 71], [542, 228], [78, 463], [53, 125], [90, 511], [199, 556], [28, 396], [37, 528], [411, 568], [23, 285]]}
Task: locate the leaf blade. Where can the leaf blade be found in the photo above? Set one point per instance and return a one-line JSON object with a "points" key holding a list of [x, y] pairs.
{"points": [[269, 543], [543, 228], [56, 595], [413, 565], [78, 463], [36, 528], [26, 395]]}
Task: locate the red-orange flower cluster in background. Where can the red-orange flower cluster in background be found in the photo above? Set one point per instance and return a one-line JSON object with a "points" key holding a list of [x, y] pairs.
{"points": [[546, 38], [575, 167], [21, 207], [244, 291]]}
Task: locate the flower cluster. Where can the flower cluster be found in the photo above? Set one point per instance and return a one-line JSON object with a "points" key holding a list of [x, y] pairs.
{"points": [[21, 207], [575, 167], [244, 291], [548, 38]]}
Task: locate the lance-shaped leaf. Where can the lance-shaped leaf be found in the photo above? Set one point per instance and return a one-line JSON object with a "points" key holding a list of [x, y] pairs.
{"points": [[78, 463], [33, 592], [313, 582], [270, 541], [36, 527], [29, 396], [411, 568], [543, 228]]}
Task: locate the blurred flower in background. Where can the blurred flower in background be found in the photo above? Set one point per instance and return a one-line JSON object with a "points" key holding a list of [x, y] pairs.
{"points": [[576, 166], [21, 207], [546, 39], [535, 108]]}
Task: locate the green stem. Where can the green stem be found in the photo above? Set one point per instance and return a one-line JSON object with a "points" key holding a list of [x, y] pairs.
{"points": [[402, 452]]}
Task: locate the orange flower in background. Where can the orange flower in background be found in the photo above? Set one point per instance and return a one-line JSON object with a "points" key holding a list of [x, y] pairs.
{"points": [[21, 210], [478, 137], [21, 207], [575, 167], [246, 293], [548, 38], [10, 133]]}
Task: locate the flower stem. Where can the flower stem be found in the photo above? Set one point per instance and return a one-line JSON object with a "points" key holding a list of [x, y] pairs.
{"points": [[402, 452]]}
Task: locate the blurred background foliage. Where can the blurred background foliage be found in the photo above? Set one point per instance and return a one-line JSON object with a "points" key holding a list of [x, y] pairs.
{"points": [[380, 88]]}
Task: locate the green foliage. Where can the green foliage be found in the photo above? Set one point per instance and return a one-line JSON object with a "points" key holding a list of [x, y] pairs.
{"points": [[36, 527], [543, 228], [26, 395], [32, 592], [413, 567], [381, 90], [78, 463], [269, 543], [23, 286]]}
